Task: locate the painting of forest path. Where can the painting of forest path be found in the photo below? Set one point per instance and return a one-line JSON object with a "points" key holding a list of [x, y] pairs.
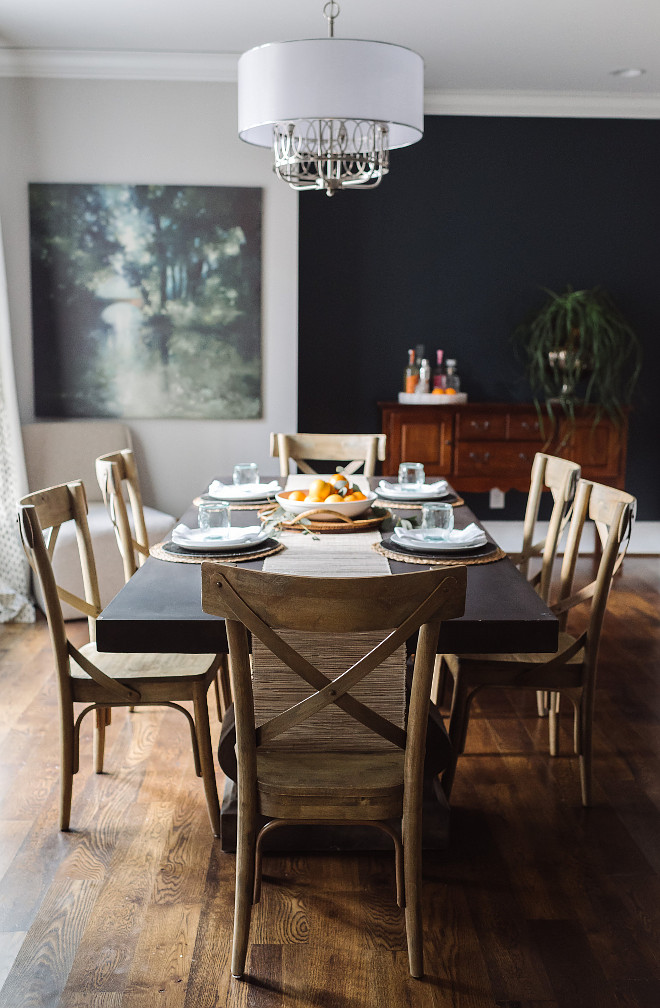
{"points": [[146, 301]]}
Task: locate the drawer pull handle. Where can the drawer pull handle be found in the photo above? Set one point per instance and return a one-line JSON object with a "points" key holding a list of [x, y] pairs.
{"points": [[480, 425]]}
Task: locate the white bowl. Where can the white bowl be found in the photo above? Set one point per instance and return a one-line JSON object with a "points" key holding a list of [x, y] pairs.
{"points": [[351, 509]]}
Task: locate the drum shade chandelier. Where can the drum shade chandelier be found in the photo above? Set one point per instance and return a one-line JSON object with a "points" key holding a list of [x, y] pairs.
{"points": [[332, 109]]}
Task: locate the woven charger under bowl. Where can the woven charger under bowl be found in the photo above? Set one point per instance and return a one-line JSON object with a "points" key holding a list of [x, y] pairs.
{"points": [[319, 520], [349, 509]]}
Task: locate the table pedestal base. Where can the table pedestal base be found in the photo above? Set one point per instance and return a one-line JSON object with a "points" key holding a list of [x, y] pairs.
{"points": [[335, 838]]}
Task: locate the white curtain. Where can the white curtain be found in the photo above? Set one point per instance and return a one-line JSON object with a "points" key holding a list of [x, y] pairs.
{"points": [[15, 602]]}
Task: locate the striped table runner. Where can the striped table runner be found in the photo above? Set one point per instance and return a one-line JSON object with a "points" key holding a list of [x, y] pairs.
{"points": [[328, 555]]}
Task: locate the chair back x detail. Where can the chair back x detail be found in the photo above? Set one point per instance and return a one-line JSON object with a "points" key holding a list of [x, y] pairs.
{"points": [[354, 449], [317, 779]]}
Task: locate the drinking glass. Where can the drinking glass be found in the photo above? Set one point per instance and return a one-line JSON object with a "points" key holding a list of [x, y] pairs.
{"points": [[213, 516], [246, 472], [411, 475], [437, 520]]}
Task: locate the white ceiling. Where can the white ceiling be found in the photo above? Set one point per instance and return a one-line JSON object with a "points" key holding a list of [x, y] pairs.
{"points": [[537, 49]]}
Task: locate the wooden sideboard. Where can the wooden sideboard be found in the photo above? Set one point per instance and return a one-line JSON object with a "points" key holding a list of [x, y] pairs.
{"points": [[478, 446]]}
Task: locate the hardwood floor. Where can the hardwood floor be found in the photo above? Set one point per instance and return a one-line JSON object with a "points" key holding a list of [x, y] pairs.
{"points": [[537, 903]]}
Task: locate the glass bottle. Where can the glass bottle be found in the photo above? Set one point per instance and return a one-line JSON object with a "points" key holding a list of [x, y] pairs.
{"points": [[411, 374], [452, 379], [424, 384], [439, 371]]}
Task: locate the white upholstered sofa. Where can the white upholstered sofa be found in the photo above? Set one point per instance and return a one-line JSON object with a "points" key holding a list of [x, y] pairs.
{"points": [[60, 450]]}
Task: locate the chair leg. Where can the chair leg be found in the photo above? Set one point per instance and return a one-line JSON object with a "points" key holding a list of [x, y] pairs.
{"points": [[100, 721], [542, 707], [439, 684], [67, 766], [553, 722], [585, 751], [206, 756], [245, 874], [412, 870], [458, 726], [223, 687]]}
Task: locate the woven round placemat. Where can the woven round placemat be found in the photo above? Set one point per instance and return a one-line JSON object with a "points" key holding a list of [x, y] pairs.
{"points": [[465, 561], [316, 525], [234, 506], [161, 553], [455, 501]]}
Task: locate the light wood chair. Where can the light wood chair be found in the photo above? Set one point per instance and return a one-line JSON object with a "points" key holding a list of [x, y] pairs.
{"points": [[560, 477], [295, 770], [355, 449], [98, 680], [117, 476], [571, 671]]}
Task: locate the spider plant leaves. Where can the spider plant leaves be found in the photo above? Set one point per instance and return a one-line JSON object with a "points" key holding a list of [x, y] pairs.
{"points": [[580, 336]]}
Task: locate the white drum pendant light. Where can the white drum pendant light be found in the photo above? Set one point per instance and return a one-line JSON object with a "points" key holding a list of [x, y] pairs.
{"points": [[332, 109]]}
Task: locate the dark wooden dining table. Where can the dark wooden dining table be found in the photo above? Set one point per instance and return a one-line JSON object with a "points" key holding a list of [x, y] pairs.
{"points": [[159, 610]]}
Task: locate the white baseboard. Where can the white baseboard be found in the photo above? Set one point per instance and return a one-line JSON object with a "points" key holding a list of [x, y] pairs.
{"points": [[645, 539]]}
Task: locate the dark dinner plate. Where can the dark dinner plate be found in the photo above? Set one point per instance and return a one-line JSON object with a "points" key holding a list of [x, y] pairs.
{"points": [[480, 551], [245, 553]]}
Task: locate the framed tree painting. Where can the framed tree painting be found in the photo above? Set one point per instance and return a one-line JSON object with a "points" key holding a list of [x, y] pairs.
{"points": [[146, 301]]}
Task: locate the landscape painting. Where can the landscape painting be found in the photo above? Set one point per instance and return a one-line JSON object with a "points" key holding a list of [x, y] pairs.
{"points": [[146, 301]]}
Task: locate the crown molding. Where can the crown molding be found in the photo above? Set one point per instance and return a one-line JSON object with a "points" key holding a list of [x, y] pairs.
{"points": [[95, 64], [111, 65], [551, 104]]}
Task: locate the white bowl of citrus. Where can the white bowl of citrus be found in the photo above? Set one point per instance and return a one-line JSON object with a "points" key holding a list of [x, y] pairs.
{"points": [[336, 493]]}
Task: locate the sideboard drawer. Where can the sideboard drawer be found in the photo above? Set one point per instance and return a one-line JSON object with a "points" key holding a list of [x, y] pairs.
{"points": [[481, 426], [526, 428], [482, 458]]}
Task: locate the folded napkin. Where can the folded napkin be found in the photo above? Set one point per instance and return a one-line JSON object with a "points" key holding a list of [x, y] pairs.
{"points": [[439, 487], [471, 535], [231, 536], [225, 491]]}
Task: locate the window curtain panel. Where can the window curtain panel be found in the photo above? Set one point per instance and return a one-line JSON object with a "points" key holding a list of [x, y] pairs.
{"points": [[15, 602]]}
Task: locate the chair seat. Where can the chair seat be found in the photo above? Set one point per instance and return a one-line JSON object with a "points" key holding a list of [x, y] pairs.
{"points": [[565, 640], [324, 785], [144, 672], [521, 670]]}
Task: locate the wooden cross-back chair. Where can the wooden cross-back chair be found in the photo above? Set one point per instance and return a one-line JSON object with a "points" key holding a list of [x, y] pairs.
{"points": [[354, 449], [560, 476], [571, 671], [292, 770], [114, 472], [101, 680]]}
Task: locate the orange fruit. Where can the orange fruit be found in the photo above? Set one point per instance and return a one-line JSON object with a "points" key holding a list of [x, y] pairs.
{"points": [[338, 481], [334, 498], [296, 495], [320, 489], [358, 495], [450, 391], [439, 391], [310, 499]]}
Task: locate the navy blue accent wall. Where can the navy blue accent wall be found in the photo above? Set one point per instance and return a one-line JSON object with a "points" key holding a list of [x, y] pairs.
{"points": [[452, 250]]}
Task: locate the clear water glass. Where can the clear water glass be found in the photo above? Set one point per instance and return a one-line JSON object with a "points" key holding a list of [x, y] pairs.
{"points": [[411, 475], [246, 472], [437, 520], [213, 517]]}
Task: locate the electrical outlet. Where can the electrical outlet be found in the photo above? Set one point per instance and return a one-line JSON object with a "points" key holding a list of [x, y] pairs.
{"points": [[496, 498]]}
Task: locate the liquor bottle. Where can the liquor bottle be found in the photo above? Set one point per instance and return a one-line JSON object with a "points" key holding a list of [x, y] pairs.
{"points": [[424, 384], [452, 379], [420, 354], [439, 376], [411, 374]]}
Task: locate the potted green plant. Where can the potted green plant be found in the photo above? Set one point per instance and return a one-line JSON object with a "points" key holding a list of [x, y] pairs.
{"points": [[576, 348]]}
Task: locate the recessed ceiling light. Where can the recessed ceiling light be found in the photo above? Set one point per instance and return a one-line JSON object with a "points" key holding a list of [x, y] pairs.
{"points": [[628, 72]]}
